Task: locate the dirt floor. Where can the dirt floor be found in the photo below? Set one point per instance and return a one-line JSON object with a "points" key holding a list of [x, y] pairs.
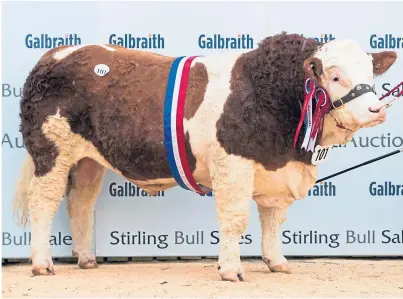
{"points": [[311, 278]]}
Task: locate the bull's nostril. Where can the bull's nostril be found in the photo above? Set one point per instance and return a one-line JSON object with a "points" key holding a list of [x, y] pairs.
{"points": [[374, 110]]}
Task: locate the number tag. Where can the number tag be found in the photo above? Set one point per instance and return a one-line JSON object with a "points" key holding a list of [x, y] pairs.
{"points": [[321, 154], [101, 69]]}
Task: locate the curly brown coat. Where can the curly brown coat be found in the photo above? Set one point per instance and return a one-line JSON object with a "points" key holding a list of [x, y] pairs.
{"points": [[263, 110]]}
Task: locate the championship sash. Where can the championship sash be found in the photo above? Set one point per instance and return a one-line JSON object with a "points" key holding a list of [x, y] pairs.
{"points": [[174, 135]]}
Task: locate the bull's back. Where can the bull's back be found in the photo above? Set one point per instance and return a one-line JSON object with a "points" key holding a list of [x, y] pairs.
{"points": [[120, 113]]}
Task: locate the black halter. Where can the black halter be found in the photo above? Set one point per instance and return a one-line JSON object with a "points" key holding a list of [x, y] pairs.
{"points": [[357, 91]]}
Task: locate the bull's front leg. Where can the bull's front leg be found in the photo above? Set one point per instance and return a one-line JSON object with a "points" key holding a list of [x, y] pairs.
{"points": [[232, 179], [271, 220]]}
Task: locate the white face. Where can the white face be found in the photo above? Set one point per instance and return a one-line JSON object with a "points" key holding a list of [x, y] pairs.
{"points": [[344, 66]]}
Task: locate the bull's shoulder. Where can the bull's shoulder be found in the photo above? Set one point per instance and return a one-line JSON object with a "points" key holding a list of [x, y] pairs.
{"points": [[260, 114]]}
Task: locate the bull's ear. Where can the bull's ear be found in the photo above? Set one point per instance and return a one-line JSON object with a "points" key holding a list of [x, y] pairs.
{"points": [[382, 61], [313, 69]]}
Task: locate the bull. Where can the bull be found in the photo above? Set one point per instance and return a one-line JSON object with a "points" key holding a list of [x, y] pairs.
{"points": [[224, 123]]}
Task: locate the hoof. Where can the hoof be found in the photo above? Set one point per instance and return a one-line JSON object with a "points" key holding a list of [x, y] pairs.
{"points": [[282, 268], [43, 271], [42, 266], [233, 276], [86, 259], [88, 264]]}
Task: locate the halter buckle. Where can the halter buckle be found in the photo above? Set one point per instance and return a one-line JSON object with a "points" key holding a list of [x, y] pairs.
{"points": [[337, 106]]}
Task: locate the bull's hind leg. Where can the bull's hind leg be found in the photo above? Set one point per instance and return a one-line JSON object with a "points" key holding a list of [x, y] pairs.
{"points": [[55, 150], [271, 220], [87, 179], [45, 194], [232, 179]]}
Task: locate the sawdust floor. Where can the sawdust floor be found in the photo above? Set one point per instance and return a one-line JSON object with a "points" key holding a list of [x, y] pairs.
{"points": [[311, 278]]}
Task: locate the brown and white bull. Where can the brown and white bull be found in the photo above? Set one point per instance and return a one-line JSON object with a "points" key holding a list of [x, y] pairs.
{"points": [[240, 116]]}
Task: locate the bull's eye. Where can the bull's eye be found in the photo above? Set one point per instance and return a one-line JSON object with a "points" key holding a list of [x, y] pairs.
{"points": [[335, 79]]}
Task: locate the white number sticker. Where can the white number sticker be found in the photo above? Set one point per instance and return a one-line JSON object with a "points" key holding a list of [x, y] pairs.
{"points": [[101, 69], [321, 154]]}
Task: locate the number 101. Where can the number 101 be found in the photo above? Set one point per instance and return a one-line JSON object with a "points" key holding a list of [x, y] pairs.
{"points": [[322, 154]]}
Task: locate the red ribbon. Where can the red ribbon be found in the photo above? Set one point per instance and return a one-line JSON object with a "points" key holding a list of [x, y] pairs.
{"points": [[309, 90], [322, 107]]}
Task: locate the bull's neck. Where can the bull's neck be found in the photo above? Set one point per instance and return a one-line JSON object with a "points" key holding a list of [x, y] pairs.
{"points": [[333, 134]]}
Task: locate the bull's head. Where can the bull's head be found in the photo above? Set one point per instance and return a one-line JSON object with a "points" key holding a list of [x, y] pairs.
{"points": [[347, 72]]}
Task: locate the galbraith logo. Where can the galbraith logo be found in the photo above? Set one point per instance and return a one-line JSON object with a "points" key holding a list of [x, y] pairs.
{"points": [[385, 189], [152, 41], [218, 41], [323, 189], [45, 41], [386, 41], [128, 189], [323, 38]]}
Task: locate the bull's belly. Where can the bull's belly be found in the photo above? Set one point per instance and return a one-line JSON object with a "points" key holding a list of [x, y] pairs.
{"points": [[201, 175]]}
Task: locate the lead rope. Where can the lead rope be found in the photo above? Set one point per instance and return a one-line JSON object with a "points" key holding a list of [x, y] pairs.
{"points": [[359, 165], [388, 104]]}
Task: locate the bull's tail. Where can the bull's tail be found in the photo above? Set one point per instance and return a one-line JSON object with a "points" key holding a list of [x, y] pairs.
{"points": [[20, 203]]}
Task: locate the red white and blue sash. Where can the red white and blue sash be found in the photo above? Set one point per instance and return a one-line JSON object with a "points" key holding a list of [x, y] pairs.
{"points": [[174, 133]]}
